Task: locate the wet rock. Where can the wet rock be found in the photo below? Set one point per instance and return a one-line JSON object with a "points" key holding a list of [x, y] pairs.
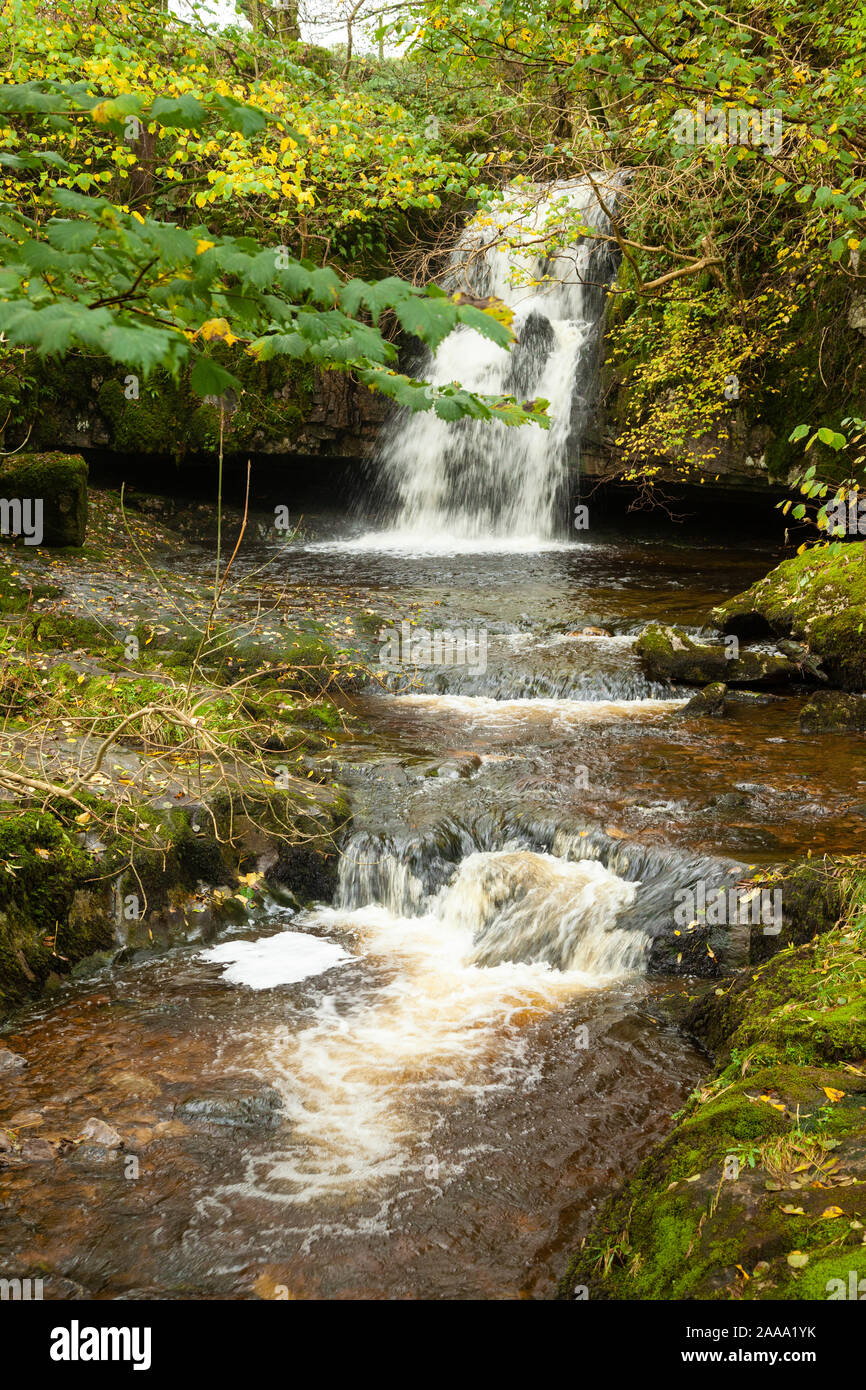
{"points": [[809, 664], [669, 653], [590, 632], [731, 801], [38, 1151], [709, 701], [818, 598], [260, 1109], [25, 1119], [129, 1083], [97, 1134], [11, 1061], [830, 711]]}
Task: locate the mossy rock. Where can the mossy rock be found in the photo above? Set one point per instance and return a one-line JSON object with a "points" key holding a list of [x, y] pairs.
{"points": [[669, 653], [59, 483], [64, 632], [709, 701], [813, 902], [819, 598], [833, 712], [43, 868]]}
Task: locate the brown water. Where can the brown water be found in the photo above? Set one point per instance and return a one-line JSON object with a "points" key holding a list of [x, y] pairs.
{"points": [[409, 1123]]}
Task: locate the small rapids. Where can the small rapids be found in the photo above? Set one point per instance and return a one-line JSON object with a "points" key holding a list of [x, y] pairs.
{"points": [[466, 971]]}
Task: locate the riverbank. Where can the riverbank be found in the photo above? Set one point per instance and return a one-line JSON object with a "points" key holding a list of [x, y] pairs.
{"points": [[758, 1192], [161, 747]]}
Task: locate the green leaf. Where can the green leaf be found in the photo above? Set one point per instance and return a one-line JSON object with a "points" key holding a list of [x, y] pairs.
{"points": [[210, 379]]}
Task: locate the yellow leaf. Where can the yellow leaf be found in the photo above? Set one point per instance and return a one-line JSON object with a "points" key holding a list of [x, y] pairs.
{"points": [[832, 1094], [829, 1212], [202, 246]]}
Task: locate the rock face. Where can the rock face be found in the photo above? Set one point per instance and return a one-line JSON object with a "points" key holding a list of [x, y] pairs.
{"points": [[668, 653], [284, 408], [830, 711], [43, 498], [818, 597]]}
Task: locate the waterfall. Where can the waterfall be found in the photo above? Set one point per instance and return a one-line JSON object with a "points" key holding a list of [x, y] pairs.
{"points": [[531, 890], [506, 903], [481, 482]]}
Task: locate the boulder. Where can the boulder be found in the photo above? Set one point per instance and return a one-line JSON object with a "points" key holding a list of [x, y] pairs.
{"points": [[831, 711], [669, 653], [43, 499], [709, 701], [819, 598], [259, 1109]]}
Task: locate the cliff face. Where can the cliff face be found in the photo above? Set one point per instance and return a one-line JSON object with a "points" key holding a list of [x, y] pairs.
{"points": [[285, 410], [733, 456]]}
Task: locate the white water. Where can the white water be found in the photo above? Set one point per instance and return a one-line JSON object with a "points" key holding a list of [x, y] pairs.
{"points": [[480, 484], [275, 960], [457, 988]]}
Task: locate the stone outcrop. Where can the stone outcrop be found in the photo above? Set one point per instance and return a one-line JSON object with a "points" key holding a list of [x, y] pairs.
{"points": [[819, 598], [43, 499], [669, 653]]}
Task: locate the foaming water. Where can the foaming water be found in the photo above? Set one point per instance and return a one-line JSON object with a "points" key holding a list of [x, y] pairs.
{"points": [[478, 483], [416, 542], [568, 711], [513, 937]]}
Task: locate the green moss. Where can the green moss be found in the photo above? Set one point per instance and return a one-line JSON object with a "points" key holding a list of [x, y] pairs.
{"points": [[59, 482], [166, 418], [63, 631], [787, 1102], [819, 598], [41, 866]]}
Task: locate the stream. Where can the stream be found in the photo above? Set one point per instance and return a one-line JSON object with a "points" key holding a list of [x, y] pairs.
{"points": [[424, 1088]]}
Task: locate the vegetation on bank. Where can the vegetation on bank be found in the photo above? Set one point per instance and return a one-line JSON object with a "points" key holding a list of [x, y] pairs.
{"points": [[738, 312], [149, 757], [758, 1191]]}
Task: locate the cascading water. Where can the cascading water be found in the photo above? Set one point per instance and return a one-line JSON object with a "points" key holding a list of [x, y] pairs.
{"points": [[475, 944], [481, 482]]}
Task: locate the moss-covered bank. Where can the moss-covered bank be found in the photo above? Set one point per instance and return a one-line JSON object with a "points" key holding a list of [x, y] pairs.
{"points": [[65, 896], [818, 597], [760, 1190]]}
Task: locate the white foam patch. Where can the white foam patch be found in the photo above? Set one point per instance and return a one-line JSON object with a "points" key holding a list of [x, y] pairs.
{"points": [[282, 959]]}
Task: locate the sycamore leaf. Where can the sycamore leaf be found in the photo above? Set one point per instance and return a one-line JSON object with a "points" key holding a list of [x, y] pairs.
{"points": [[210, 379]]}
